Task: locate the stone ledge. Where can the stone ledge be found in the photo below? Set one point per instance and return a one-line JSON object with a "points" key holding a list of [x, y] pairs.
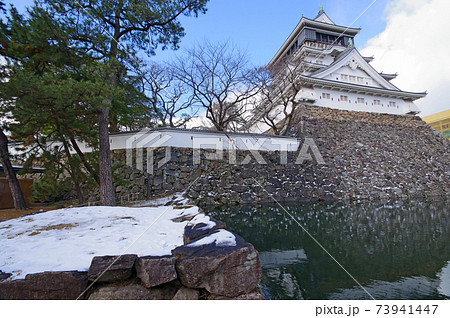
{"points": [[154, 271], [112, 268], [47, 285]]}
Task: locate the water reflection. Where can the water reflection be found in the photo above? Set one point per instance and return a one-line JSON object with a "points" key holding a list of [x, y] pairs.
{"points": [[397, 250]]}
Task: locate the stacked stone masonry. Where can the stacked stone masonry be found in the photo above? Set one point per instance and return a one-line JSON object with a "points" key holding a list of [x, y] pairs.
{"points": [[366, 155]]}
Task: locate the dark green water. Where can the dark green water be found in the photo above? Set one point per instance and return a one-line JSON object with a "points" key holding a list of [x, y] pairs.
{"points": [[396, 250]]}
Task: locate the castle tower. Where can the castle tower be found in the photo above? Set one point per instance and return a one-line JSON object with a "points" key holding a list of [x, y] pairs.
{"points": [[334, 74]]}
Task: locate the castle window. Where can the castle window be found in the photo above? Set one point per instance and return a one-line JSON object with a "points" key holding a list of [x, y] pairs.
{"points": [[326, 95], [377, 102], [325, 38], [360, 80], [344, 98], [344, 77], [392, 104], [352, 78], [360, 100]]}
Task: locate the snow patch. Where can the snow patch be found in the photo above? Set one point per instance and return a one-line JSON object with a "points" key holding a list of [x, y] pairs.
{"points": [[187, 212], [177, 198], [202, 218], [221, 238]]}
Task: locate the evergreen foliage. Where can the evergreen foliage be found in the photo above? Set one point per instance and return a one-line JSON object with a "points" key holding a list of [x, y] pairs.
{"points": [[71, 74]]}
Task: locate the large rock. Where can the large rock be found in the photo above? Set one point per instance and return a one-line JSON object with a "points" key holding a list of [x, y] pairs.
{"points": [[154, 271], [222, 270], [186, 294], [111, 268], [127, 292], [133, 290], [47, 285], [255, 295], [198, 230]]}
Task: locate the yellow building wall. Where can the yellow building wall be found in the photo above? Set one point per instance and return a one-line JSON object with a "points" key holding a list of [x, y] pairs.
{"points": [[440, 122]]}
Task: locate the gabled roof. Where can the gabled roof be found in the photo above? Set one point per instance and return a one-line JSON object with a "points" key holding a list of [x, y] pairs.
{"points": [[354, 59], [322, 17]]}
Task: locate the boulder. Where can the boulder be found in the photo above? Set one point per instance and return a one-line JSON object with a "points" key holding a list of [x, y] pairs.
{"points": [[45, 286], [255, 295], [127, 292], [133, 290], [228, 271], [198, 230], [186, 294], [154, 271], [111, 268]]}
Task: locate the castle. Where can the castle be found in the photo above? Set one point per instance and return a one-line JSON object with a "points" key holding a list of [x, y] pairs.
{"points": [[332, 73]]}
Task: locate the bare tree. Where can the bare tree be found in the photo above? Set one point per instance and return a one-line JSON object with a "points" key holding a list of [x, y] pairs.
{"points": [[219, 80], [278, 102], [166, 96]]}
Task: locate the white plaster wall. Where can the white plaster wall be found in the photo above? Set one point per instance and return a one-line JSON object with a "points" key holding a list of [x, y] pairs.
{"points": [[202, 140], [193, 140], [335, 102]]}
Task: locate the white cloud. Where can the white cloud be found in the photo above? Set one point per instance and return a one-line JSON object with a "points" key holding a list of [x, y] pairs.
{"points": [[416, 44]]}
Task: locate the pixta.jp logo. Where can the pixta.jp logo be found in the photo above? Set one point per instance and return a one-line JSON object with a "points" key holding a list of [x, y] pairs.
{"points": [[214, 147]]}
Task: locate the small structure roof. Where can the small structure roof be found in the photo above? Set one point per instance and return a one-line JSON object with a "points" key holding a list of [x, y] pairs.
{"points": [[17, 168], [323, 17]]}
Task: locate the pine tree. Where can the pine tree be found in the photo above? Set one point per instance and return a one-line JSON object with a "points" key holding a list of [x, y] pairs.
{"points": [[50, 91], [114, 31]]}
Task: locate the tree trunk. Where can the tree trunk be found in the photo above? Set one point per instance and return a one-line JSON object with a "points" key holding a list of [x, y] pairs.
{"points": [[107, 193], [73, 173], [83, 159], [16, 192]]}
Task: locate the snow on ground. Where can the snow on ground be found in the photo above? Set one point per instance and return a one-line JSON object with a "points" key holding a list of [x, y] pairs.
{"points": [[68, 239]]}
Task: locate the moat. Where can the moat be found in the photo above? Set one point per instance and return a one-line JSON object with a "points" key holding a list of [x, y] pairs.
{"points": [[395, 249]]}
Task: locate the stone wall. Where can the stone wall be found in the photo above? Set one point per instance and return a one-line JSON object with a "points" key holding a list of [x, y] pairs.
{"points": [[193, 271], [366, 156], [378, 155]]}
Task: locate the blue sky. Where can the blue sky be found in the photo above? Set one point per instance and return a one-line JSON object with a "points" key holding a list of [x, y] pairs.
{"points": [[405, 36], [261, 26]]}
